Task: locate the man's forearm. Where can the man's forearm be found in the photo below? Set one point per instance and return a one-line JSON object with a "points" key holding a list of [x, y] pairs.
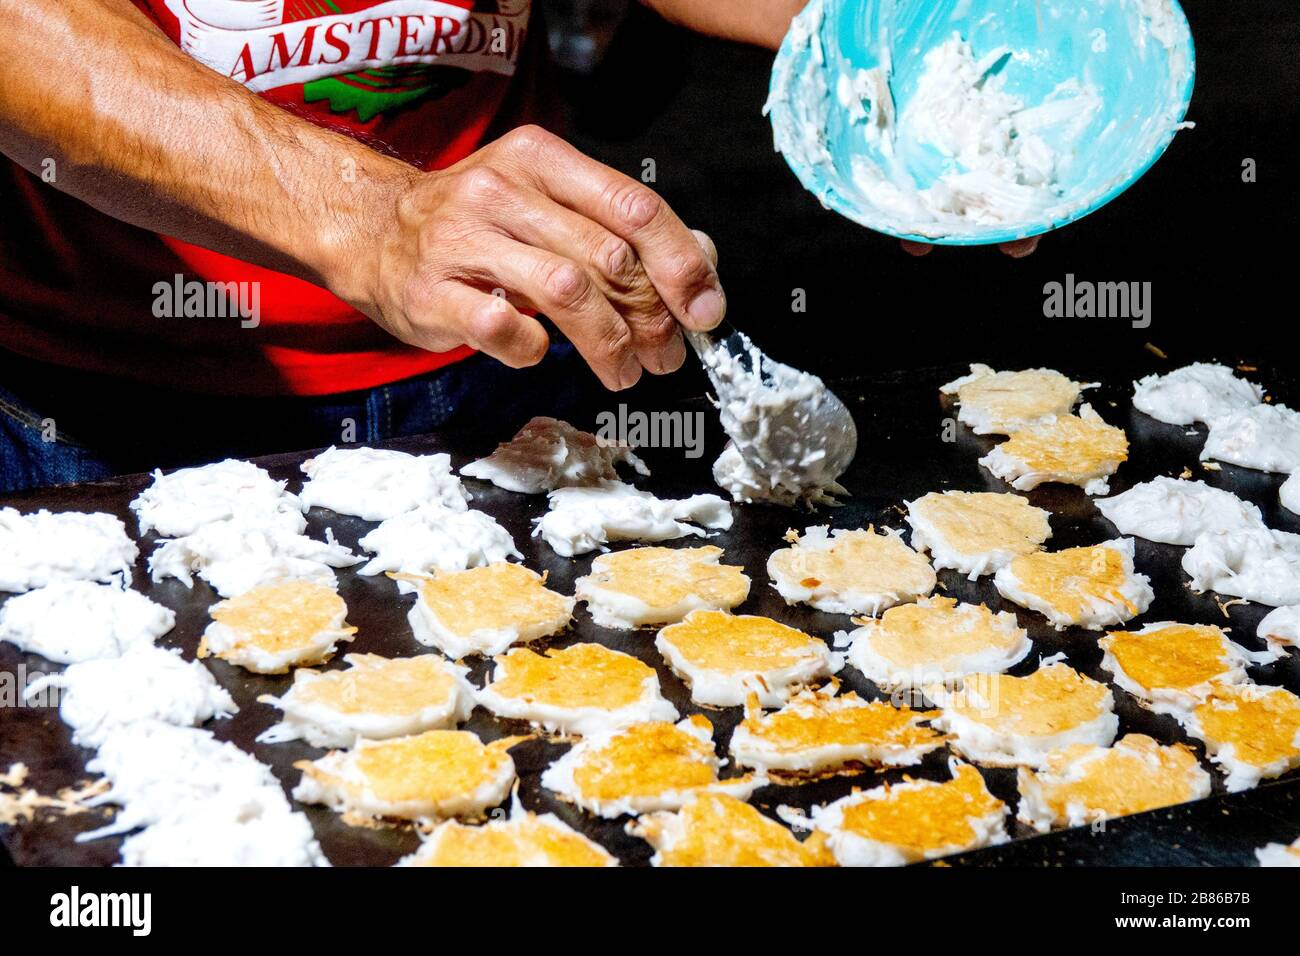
{"points": [[142, 132], [762, 22]]}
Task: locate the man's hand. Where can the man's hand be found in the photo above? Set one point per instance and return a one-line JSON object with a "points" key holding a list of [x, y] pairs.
{"points": [[529, 223]]}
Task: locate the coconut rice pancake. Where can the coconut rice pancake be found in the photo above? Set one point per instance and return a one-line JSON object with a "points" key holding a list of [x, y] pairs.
{"points": [[234, 557], [1251, 732], [713, 829], [936, 641], [1256, 564], [277, 626], [547, 454], [582, 520], [183, 501], [893, 825], [999, 403], [1200, 392], [433, 538], [725, 657], [1279, 854], [581, 689], [643, 768], [145, 683], [1289, 493], [1171, 667], [44, 547], [1069, 449], [1003, 721], [71, 621], [1084, 784], [1090, 587], [849, 572], [522, 839], [819, 732], [1263, 437], [642, 586], [976, 532], [375, 698], [1280, 627], [485, 610], [1177, 511], [374, 484], [435, 774]]}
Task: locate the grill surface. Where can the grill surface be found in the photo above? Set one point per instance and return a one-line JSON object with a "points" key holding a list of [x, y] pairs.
{"points": [[901, 455]]}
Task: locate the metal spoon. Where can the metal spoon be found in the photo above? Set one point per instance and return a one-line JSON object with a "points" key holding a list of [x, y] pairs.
{"points": [[794, 434]]}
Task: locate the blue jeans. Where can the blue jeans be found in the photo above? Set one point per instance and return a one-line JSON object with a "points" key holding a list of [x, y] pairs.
{"points": [[58, 426]]}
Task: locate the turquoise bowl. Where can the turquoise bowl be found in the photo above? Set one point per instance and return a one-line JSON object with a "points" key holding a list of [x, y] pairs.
{"points": [[843, 106]]}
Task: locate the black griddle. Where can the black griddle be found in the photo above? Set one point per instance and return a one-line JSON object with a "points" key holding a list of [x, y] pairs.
{"points": [[902, 454]]}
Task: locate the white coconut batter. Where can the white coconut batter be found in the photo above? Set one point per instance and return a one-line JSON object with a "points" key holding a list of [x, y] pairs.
{"points": [[145, 683], [71, 621], [41, 547], [1199, 392], [1263, 437], [234, 557], [1177, 511], [180, 503], [1256, 564], [547, 454], [375, 484], [582, 520], [434, 537], [1289, 493], [1281, 627]]}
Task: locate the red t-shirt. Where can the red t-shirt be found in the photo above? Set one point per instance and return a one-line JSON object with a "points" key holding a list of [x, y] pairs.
{"points": [[426, 80]]}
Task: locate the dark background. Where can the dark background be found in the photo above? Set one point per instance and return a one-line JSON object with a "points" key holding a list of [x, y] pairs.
{"points": [[1220, 253]]}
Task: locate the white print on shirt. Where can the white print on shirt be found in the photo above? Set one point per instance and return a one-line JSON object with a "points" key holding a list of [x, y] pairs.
{"points": [[248, 40]]}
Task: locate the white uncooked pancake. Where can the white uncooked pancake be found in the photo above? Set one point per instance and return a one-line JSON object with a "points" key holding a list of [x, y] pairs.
{"points": [[1176, 511], [640, 586], [893, 825], [434, 537], [1289, 493], [1256, 564], [181, 502], [1070, 449], [71, 621], [42, 547], [1263, 437], [850, 572], [999, 403], [936, 641], [1199, 392], [547, 454], [1003, 721], [1092, 587], [145, 683], [976, 532], [375, 484], [582, 520], [234, 557], [374, 698], [1281, 627]]}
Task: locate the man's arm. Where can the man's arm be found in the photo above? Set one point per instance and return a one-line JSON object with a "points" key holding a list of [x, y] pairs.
{"points": [[761, 22], [142, 132]]}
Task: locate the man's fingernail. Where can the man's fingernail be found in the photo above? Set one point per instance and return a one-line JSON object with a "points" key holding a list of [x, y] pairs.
{"points": [[630, 371], [673, 355], [707, 309]]}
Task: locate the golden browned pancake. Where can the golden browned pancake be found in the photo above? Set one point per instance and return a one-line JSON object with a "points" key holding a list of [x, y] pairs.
{"points": [[724, 657], [1090, 586], [525, 839], [277, 626], [1171, 667], [642, 586], [998, 403], [976, 532], [850, 572], [713, 829], [1072, 449], [1252, 732], [1086, 784]]}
